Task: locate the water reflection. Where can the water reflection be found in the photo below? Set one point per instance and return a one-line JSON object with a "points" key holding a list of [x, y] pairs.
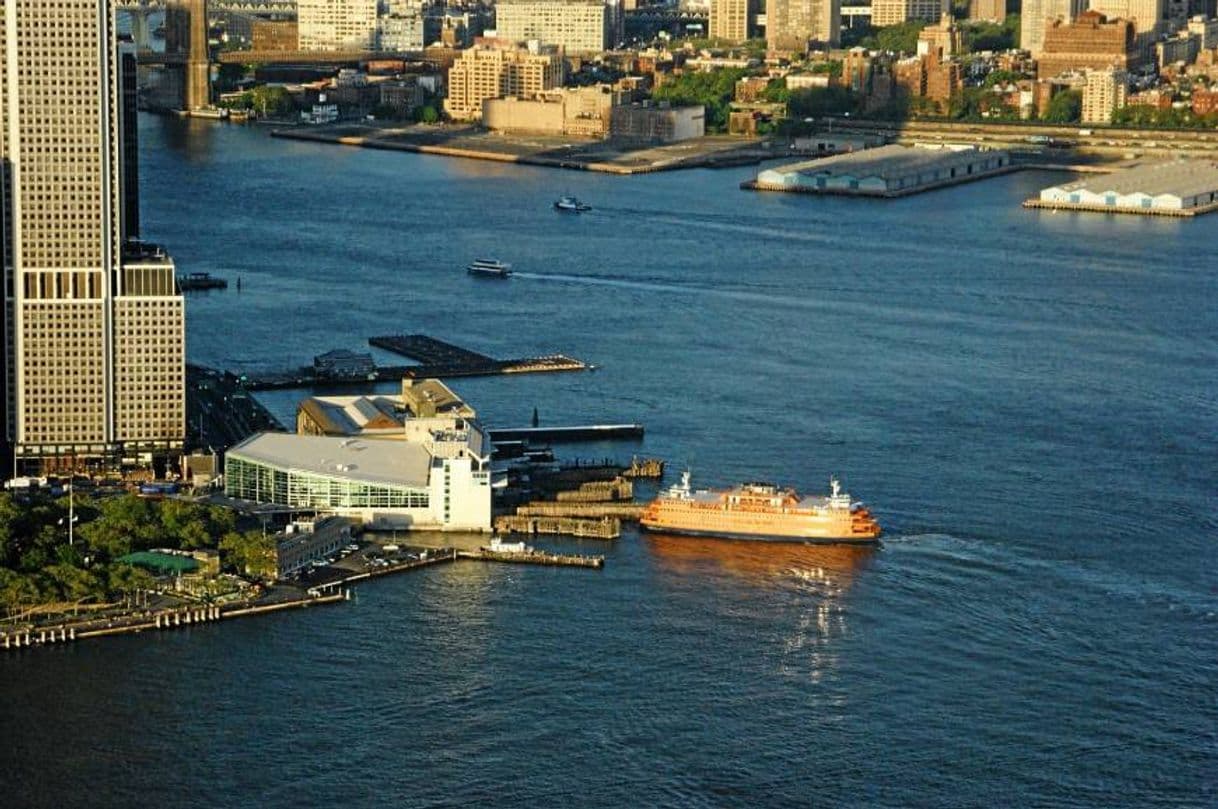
{"points": [[828, 567]]}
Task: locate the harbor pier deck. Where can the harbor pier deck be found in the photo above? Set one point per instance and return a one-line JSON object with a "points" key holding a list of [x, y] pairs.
{"points": [[437, 360], [585, 432], [440, 359], [534, 558], [585, 528]]}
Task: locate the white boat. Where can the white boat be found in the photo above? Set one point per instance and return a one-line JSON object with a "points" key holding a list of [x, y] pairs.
{"points": [[571, 205], [490, 267]]}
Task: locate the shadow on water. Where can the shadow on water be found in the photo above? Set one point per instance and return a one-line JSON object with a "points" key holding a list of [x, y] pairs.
{"points": [[761, 562]]}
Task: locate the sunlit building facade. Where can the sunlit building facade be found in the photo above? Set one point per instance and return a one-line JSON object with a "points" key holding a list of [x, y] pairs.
{"points": [[94, 326]]}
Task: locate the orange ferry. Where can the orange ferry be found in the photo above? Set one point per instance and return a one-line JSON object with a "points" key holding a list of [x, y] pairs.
{"points": [[760, 511]]}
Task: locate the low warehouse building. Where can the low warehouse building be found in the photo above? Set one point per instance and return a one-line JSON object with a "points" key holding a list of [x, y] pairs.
{"points": [[889, 171], [1172, 188]]}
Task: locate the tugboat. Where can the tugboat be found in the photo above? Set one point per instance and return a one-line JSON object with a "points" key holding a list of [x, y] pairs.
{"points": [[761, 511], [571, 205], [489, 268]]}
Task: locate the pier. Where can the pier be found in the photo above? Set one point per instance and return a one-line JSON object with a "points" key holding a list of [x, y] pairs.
{"points": [[534, 558], [439, 359], [545, 508], [585, 528], [586, 432], [159, 620]]}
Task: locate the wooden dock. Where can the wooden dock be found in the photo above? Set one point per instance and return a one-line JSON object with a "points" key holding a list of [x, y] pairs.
{"points": [[534, 558], [598, 491], [586, 528], [544, 508]]}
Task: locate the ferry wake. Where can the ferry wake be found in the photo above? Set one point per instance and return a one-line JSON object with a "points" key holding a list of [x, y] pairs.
{"points": [[761, 511]]}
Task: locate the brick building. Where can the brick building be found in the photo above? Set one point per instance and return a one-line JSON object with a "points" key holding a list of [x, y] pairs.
{"points": [[1091, 42]]}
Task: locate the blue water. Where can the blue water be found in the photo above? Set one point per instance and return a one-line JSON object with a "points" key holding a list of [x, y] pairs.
{"points": [[1026, 400]]}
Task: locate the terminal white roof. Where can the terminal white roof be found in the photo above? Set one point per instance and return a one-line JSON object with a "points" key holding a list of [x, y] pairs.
{"points": [[888, 162], [1181, 178], [389, 463]]}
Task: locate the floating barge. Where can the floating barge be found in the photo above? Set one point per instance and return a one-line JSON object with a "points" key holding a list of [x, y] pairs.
{"points": [[586, 432], [196, 281]]}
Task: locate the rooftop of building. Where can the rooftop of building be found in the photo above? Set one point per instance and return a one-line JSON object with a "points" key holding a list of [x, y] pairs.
{"points": [[1183, 178], [888, 162], [427, 398], [388, 463], [347, 415], [138, 252]]}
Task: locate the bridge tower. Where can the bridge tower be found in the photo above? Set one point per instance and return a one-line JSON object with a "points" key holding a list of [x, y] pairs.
{"points": [[186, 37], [198, 62]]}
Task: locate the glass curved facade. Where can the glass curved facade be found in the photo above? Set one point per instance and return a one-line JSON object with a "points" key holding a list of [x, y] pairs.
{"points": [[263, 483]]}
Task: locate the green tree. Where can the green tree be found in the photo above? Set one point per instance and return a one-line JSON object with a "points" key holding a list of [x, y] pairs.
{"points": [[428, 115], [271, 101], [776, 92], [16, 591], [900, 38], [229, 75], [990, 36], [75, 584], [712, 90], [1065, 108], [250, 553], [11, 518], [1001, 77], [124, 579]]}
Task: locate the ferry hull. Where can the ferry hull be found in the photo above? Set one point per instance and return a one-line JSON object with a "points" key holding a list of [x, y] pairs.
{"points": [[789, 538]]}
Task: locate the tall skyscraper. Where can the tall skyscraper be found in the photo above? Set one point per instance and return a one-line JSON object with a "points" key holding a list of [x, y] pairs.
{"points": [[94, 332], [734, 20], [791, 24]]}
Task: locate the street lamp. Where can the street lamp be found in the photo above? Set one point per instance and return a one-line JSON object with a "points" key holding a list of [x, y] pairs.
{"points": [[71, 519]]}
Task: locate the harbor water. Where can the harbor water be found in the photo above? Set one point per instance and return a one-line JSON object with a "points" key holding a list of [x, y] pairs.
{"points": [[1026, 401]]}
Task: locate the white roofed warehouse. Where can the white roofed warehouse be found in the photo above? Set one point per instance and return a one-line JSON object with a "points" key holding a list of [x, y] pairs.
{"points": [[1172, 188], [887, 171]]}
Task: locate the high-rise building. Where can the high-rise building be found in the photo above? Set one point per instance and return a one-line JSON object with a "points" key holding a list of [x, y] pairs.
{"points": [[336, 25], [792, 24], [1103, 94], [576, 26], [1037, 14], [94, 327], [498, 69], [895, 12], [734, 20]]}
